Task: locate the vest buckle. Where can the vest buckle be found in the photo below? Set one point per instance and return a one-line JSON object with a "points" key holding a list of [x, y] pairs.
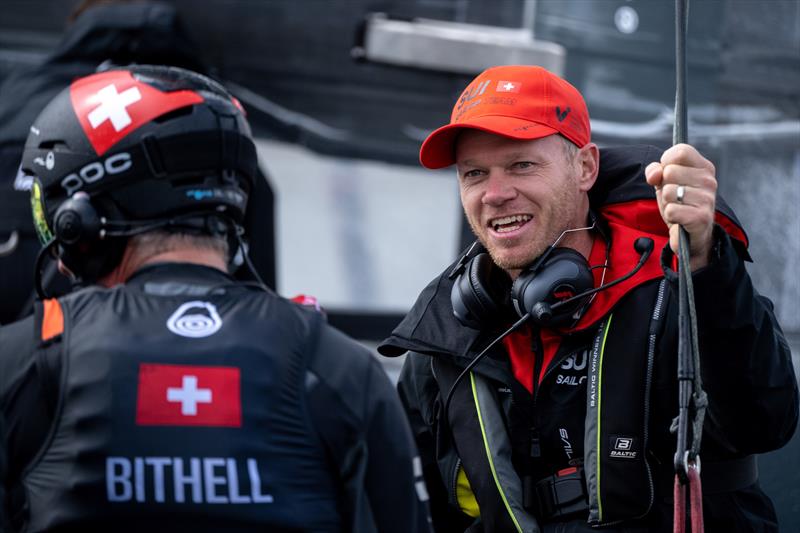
{"points": [[560, 495]]}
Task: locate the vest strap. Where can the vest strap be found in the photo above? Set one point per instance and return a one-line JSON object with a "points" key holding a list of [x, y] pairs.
{"points": [[52, 319], [48, 326]]}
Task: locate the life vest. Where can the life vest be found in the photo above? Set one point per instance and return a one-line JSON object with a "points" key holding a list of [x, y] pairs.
{"points": [[180, 410]]}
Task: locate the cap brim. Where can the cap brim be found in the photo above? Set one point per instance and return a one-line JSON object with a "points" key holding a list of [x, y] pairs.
{"points": [[438, 150]]}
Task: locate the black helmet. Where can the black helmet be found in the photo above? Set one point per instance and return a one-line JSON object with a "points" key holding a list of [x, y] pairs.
{"points": [[131, 149]]}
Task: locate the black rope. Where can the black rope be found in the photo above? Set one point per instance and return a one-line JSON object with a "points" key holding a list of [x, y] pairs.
{"points": [[690, 385], [680, 132]]}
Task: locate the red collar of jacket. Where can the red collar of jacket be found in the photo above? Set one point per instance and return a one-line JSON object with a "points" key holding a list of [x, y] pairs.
{"points": [[626, 222]]}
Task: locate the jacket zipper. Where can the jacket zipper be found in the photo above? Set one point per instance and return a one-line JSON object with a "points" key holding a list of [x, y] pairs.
{"points": [[651, 352], [455, 480], [538, 358], [651, 355]]}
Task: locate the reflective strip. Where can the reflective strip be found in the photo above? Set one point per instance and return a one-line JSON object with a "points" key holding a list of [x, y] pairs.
{"points": [[591, 440], [52, 319], [498, 453], [599, 411]]}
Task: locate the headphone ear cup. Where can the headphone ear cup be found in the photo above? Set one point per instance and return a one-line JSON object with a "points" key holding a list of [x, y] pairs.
{"points": [[77, 227], [480, 294], [76, 221], [564, 274]]}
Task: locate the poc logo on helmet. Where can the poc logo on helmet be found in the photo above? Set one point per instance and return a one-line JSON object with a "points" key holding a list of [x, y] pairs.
{"points": [[95, 171], [195, 320]]}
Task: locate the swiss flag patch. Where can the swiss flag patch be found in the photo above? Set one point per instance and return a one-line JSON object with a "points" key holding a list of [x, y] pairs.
{"points": [[508, 86], [112, 104], [187, 395]]}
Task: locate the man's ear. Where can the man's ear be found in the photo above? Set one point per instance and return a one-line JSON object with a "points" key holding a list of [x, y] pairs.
{"points": [[588, 159]]}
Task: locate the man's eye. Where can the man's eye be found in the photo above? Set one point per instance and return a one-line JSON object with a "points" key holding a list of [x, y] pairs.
{"points": [[522, 165], [474, 173]]}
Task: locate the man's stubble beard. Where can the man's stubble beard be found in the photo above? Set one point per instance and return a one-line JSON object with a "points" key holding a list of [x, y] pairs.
{"points": [[564, 202]]}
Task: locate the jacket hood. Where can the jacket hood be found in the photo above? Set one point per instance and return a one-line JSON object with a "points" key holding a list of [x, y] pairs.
{"points": [[628, 206]]}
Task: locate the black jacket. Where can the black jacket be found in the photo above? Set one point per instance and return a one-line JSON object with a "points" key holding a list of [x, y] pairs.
{"points": [[183, 399], [609, 394]]}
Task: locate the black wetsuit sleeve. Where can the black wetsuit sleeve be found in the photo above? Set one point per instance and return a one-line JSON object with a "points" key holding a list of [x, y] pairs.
{"points": [[26, 413], [394, 478], [360, 420], [745, 359]]}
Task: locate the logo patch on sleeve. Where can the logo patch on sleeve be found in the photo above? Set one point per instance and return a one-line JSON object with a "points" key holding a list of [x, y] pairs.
{"points": [[188, 395], [623, 447]]}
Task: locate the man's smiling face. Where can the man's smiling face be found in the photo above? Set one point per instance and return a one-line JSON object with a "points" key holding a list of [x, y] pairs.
{"points": [[520, 195]]}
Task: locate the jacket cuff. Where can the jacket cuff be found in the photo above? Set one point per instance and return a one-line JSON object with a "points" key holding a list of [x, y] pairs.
{"points": [[713, 282]]}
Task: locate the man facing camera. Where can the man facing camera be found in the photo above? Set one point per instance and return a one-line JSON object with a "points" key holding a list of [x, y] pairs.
{"points": [[564, 425]]}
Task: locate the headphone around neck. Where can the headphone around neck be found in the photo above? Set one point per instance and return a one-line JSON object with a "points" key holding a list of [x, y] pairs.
{"points": [[483, 294]]}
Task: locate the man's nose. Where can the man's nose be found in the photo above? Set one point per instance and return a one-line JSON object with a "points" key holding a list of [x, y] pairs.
{"points": [[499, 189]]}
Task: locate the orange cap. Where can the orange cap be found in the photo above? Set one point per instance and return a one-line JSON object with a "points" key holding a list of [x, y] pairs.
{"points": [[521, 102]]}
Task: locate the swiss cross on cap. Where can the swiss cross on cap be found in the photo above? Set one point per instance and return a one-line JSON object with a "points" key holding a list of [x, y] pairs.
{"points": [[508, 86], [112, 104]]}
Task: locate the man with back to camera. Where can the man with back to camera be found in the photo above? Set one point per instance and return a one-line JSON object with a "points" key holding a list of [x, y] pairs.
{"points": [[167, 396], [565, 425]]}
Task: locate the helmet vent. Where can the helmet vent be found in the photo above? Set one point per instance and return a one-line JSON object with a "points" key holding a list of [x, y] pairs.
{"points": [[49, 145], [176, 113]]}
